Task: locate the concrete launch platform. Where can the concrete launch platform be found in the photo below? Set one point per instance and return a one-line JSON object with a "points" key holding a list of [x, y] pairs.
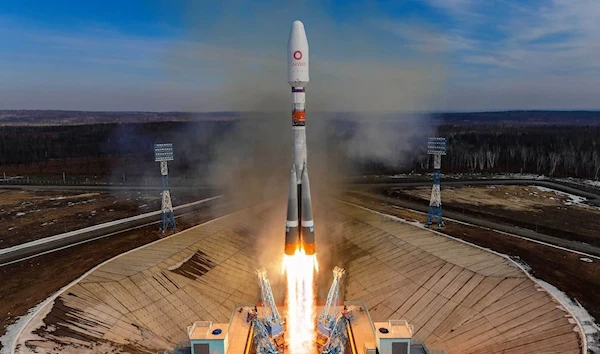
{"points": [[459, 298]]}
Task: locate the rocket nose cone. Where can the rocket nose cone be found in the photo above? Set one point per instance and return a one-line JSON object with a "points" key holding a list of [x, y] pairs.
{"points": [[298, 56], [297, 33], [297, 26]]}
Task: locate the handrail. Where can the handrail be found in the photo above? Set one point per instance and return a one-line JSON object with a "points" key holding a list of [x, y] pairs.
{"points": [[351, 338], [249, 339]]}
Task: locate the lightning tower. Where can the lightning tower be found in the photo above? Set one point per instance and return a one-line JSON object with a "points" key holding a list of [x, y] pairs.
{"points": [[162, 154], [327, 318], [437, 148], [270, 314]]}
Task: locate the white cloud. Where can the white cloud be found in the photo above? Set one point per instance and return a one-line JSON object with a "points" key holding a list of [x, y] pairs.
{"points": [[529, 54], [373, 61]]}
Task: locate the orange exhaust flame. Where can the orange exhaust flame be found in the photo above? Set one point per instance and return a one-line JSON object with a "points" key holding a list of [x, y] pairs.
{"points": [[301, 311]]}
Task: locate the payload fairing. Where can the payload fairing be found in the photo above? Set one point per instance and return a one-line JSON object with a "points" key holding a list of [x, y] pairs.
{"points": [[299, 211]]}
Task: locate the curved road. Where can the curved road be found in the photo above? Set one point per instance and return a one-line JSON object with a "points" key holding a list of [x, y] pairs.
{"points": [[578, 247], [593, 197], [46, 245]]}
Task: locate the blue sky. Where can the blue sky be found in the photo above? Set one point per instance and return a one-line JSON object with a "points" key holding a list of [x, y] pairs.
{"points": [[365, 55]]}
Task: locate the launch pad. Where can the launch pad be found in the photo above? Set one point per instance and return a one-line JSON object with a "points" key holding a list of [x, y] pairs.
{"points": [[459, 298], [340, 328], [238, 336]]}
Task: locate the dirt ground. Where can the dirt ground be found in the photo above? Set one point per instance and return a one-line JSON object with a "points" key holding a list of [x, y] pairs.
{"points": [[27, 283], [27, 215], [565, 270], [520, 198], [539, 209]]}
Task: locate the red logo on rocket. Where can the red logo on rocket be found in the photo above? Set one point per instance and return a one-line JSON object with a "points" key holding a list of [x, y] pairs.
{"points": [[297, 55]]}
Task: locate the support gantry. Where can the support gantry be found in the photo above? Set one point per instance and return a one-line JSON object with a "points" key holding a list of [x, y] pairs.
{"points": [[339, 337], [270, 314], [263, 343], [327, 318]]}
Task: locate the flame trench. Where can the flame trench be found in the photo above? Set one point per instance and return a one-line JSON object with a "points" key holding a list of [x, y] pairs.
{"points": [[301, 316]]}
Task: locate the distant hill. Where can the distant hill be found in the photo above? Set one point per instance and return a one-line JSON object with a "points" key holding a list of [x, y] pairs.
{"points": [[55, 117], [521, 118], [52, 117]]}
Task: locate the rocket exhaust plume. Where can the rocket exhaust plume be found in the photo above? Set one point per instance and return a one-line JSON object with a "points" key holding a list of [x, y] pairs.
{"points": [[300, 304]]}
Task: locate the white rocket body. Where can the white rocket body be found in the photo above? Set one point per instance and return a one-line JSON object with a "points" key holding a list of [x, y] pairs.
{"points": [[298, 78], [299, 202]]}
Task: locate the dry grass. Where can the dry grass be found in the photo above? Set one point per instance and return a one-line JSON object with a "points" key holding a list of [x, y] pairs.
{"points": [[518, 198]]}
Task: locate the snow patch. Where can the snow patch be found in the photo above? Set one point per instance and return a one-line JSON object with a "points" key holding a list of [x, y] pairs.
{"points": [[13, 330], [519, 261], [572, 199], [402, 175], [591, 330], [179, 264], [37, 322], [587, 260], [21, 214]]}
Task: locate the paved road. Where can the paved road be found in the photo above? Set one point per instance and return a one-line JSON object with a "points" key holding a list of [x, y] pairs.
{"points": [[81, 187], [593, 197], [53, 243], [86, 235], [526, 233]]}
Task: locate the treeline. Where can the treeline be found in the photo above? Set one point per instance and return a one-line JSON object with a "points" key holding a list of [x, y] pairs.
{"points": [[126, 149], [558, 151], [105, 148], [57, 117], [520, 118], [551, 150]]}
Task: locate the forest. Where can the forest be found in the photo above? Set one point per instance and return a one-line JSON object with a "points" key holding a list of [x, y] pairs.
{"points": [[99, 150]]}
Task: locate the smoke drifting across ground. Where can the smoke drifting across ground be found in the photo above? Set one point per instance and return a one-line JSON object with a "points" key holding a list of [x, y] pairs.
{"points": [[360, 69]]}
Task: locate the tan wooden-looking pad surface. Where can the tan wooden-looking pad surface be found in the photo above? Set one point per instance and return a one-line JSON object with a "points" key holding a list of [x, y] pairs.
{"points": [[459, 298]]}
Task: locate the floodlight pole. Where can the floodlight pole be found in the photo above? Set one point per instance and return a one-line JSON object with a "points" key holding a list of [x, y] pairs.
{"points": [[437, 148], [168, 217], [162, 154]]}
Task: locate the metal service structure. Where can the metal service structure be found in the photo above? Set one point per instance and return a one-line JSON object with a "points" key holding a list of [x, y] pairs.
{"points": [[344, 327], [164, 153], [437, 147]]}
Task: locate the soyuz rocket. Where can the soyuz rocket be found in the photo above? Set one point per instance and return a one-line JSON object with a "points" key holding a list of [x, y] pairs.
{"points": [[299, 228]]}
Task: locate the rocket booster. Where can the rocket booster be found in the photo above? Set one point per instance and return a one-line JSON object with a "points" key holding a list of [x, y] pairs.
{"points": [[299, 232]]}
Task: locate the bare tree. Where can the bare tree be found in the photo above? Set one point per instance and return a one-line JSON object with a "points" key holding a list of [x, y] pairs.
{"points": [[570, 158], [554, 158], [491, 157], [585, 160], [481, 159], [596, 160], [540, 161], [524, 150]]}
